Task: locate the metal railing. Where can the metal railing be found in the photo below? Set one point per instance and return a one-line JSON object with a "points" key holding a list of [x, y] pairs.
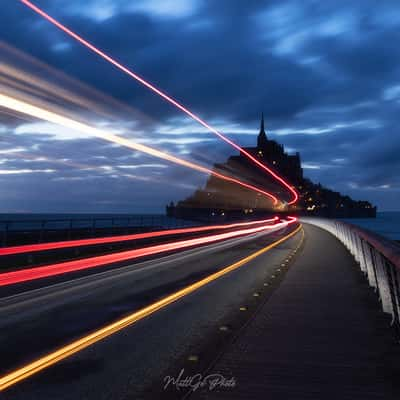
{"points": [[378, 257], [37, 230]]}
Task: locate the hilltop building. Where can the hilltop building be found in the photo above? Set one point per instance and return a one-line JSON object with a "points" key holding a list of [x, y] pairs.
{"points": [[219, 197]]}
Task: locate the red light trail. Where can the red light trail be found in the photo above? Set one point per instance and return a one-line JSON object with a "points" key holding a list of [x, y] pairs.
{"points": [[29, 274], [77, 345], [31, 248], [160, 93]]}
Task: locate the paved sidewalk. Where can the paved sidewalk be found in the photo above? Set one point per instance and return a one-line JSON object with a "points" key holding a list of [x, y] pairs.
{"points": [[322, 335]]}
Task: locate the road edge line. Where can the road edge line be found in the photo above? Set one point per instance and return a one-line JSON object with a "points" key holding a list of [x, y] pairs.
{"points": [[74, 347]]}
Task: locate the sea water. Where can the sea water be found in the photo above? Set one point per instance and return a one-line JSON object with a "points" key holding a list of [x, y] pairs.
{"points": [[386, 224]]}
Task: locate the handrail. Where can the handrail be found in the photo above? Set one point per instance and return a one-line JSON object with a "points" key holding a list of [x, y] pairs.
{"points": [[378, 257], [387, 247]]}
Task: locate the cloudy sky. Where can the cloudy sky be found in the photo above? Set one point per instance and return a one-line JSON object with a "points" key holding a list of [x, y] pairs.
{"points": [[325, 73]]}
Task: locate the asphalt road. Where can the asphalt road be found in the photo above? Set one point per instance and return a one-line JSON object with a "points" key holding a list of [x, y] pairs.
{"points": [[132, 363]]}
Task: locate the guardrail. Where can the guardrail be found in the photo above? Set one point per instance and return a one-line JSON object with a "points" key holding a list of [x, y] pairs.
{"points": [[38, 230], [378, 257]]}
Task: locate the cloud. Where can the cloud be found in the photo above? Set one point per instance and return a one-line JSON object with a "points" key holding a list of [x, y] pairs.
{"points": [[326, 74]]}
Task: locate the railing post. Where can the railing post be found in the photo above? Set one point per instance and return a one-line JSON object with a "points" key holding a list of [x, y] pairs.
{"points": [[70, 229], [354, 244], [374, 268], [42, 225], [351, 242], [347, 236], [370, 267], [363, 261], [383, 283], [352, 251], [396, 292], [343, 233], [5, 235], [358, 250]]}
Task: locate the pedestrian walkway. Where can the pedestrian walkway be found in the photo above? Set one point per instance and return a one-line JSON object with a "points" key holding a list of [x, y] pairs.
{"points": [[322, 335]]}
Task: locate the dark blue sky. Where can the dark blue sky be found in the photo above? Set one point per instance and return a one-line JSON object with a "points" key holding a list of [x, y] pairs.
{"points": [[325, 73]]}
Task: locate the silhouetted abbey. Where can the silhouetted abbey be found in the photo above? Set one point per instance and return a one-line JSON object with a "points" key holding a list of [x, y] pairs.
{"points": [[219, 197]]}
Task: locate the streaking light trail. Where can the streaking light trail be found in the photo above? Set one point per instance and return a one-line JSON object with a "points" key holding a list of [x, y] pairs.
{"points": [[74, 347], [29, 274], [160, 93], [23, 107], [31, 248]]}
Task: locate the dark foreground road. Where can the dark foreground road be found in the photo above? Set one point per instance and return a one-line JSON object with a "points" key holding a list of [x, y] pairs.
{"points": [[290, 324], [321, 336], [132, 363]]}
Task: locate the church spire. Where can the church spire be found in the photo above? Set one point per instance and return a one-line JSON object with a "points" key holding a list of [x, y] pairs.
{"points": [[262, 130], [262, 136]]}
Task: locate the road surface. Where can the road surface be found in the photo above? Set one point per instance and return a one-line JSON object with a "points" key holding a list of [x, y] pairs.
{"points": [[133, 362]]}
